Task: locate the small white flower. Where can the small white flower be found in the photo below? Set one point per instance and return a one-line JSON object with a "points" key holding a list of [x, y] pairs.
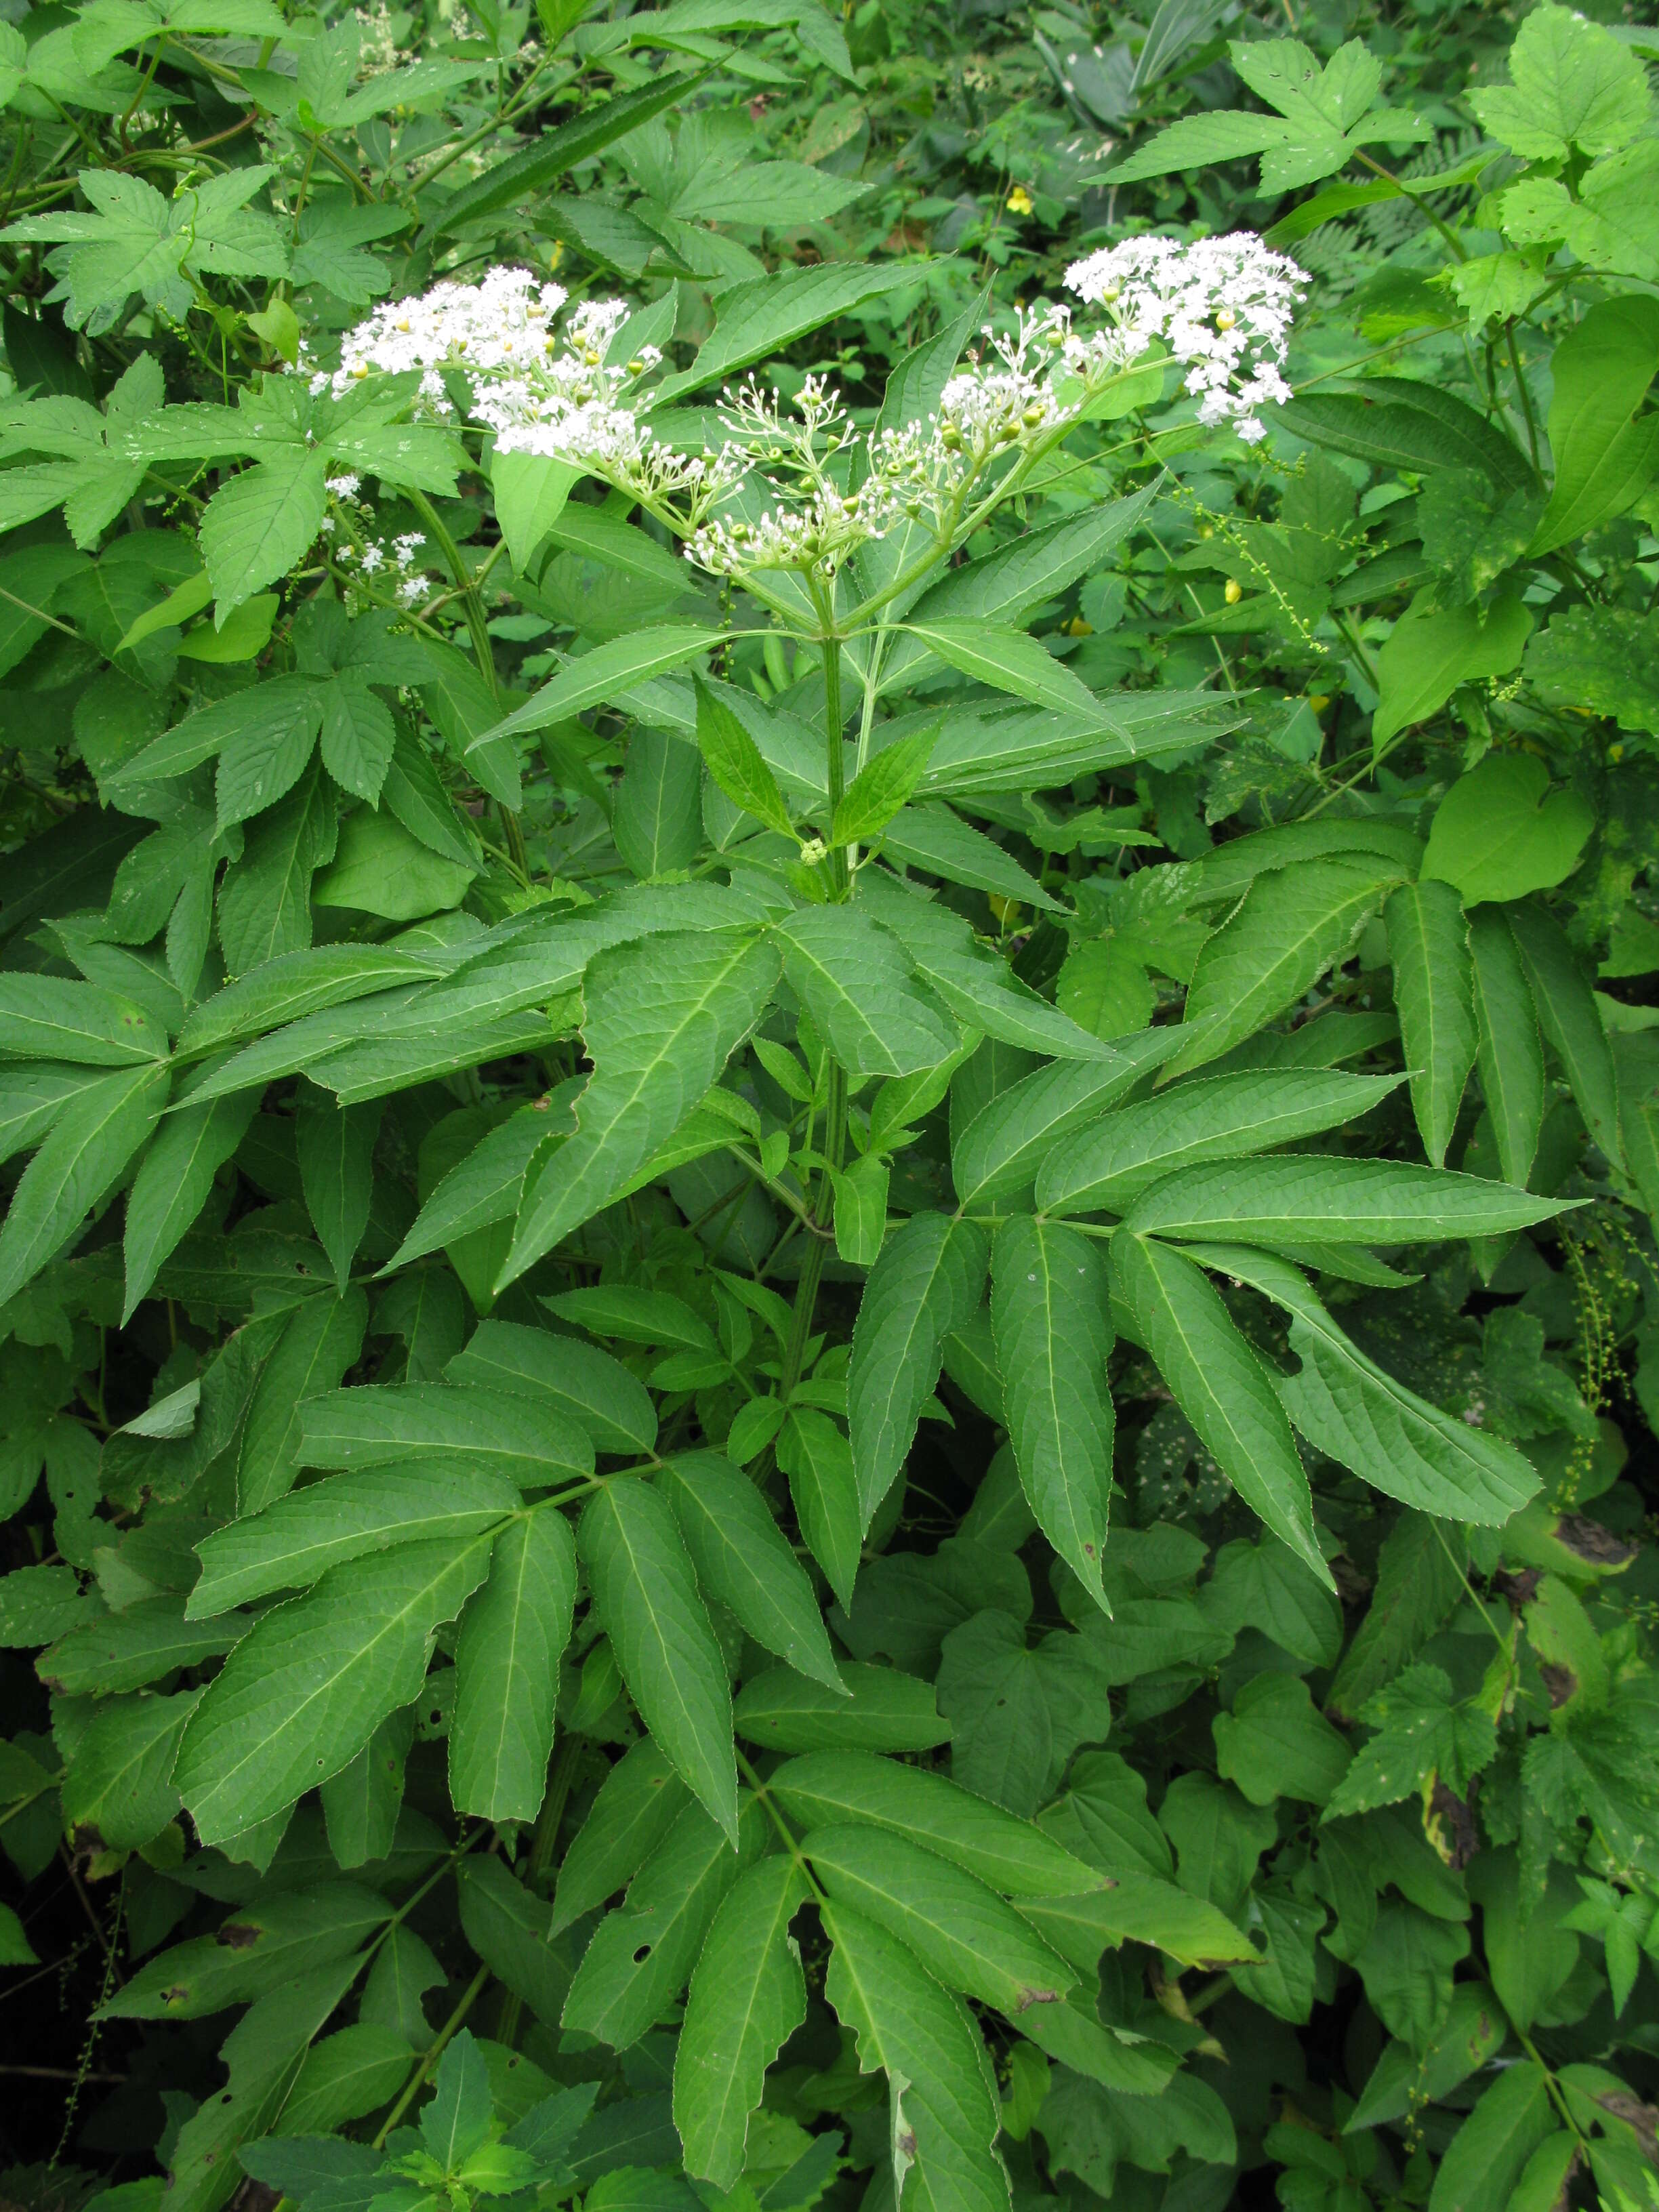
{"points": [[1223, 306], [344, 487]]}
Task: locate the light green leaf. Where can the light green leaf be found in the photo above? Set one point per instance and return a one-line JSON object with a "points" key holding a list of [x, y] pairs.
{"points": [[1109, 1164], [663, 1016], [1220, 1384], [999, 1153], [117, 1789], [513, 1636], [814, 1454], [458, 1425], [608, 672], [530, 490], [1605, 453], [1500, 833], [821, 1789], [299, 1697], [82, 1158], [880, 788], [1049, 1311], [961, 1931], [1010, 660], [647, 1599], [1485, 2158], [748, 1996], [1573, 84], [1305, 1198], [763, 316], [736, 763], [256, 527], [925, 1284], [860, 987], [1431, 650], [1428, 947], [51, 1018], [743, 1561]]}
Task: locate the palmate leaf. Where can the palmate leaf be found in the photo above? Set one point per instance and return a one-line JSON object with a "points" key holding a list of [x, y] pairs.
{"points": [[748, 1995]]}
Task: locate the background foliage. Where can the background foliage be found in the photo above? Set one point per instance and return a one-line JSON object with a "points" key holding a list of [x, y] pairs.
{"points": [[1269, 1051]]}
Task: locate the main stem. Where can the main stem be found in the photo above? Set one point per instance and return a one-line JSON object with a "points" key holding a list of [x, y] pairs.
{"points": [[835, 1131]]}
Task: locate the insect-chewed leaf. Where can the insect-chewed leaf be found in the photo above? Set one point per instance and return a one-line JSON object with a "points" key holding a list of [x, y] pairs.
{"points": [[646, 1596], [748, 1996], [506, 1671], [303, 1693], [663, 1016], [881, 1710], [638, 1803], [743, 1560], [466, 1422], [643, 1951], [821, 1788], [258, 1948], [1107, 1166], [1049, 1313], [1310, 1199], [1219, 1382], [1428, 946], [944, 2114], [51, 1018], [926, 1283], [963, 1932]]}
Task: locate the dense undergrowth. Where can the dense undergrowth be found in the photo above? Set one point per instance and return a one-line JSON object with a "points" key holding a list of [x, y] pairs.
{"points": [[828, 1306]]}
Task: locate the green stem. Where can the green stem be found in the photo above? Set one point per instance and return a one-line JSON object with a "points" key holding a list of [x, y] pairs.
{"points": [[1522, 392], [469, 1997], [834, 1133]]}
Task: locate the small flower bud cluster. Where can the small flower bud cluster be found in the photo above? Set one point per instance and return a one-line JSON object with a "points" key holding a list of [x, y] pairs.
{"points": [[817, 521], [1223, 306], [397, 560]]}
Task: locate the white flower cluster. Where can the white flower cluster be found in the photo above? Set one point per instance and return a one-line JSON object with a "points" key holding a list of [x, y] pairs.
{"points": [[539, 391], [368, 557], [816, 521], [1223, 306]]}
